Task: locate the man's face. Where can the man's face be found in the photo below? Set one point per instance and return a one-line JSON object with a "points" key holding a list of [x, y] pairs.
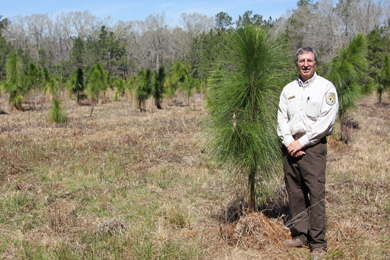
{"points": [[306, 65]]}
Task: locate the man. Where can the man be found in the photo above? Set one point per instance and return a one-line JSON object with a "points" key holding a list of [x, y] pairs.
{"points": [[308, 109]]}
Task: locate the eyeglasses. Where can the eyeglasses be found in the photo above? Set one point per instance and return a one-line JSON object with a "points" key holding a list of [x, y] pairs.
{"points": [[308, 61]]}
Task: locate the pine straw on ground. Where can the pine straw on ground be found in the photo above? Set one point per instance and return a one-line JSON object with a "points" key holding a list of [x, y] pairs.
{"points": [[116, 183]]}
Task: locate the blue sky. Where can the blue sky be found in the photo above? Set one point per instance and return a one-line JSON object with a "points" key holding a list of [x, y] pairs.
{"points": [[140, 9]]}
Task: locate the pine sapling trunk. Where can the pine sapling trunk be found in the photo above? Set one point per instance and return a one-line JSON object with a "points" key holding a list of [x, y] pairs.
{"points": [[252, 172], [158, 104], [251, 184], [341, 127]]}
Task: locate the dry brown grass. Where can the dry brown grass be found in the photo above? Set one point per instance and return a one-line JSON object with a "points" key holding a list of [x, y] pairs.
{"points": [[358, 186], [120, 184]]}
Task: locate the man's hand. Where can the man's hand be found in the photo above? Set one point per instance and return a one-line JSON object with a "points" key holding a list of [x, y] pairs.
{"points": [[298, 154], [295, 149]]}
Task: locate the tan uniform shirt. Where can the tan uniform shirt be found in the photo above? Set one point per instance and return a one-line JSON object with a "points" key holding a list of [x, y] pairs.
{"points": [[308, 108]]}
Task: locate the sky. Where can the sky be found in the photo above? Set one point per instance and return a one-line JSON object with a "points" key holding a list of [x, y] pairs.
{"points": [[131, 10]]}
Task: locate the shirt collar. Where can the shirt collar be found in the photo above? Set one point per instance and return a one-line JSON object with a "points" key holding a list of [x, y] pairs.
{"points": [[307, 82]]}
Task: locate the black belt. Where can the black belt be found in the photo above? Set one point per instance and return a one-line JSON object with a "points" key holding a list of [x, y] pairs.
{"points": [[299, 135]]}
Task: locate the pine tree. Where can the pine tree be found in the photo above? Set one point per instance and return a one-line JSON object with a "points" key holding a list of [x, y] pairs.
{"points": [[77, 53], [242, 102], [144, 89], [96, 81], [120, 89], [76, 83], [56, 113], [378, 46], [158, 89], [33, 73], [384, 77], [223, 21], [5, 48], [45, 75], [131, 84], [347, 71], [205, 52], [13, 85], [178, 78], [189, 86], [51, 83]]}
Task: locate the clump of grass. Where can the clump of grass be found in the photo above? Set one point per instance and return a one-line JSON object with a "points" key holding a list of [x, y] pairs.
{"points": [[57, 114], [174, 216], [113, 226]]}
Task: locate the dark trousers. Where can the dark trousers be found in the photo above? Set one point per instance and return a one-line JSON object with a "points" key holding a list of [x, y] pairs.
{"points": [[305, 183]]}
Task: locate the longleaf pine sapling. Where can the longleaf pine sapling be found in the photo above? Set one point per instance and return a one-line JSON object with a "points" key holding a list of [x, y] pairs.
{"points": [[347, 71], [57, 114], [13, 84], [242, 100], [158, 88], [384, 77], [144, 90]]}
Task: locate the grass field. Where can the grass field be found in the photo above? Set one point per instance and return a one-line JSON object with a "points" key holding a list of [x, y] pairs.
{"points": [[114, 183]]}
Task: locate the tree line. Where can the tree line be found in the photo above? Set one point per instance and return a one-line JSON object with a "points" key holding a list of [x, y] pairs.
{"points": [[60, 47], [128, 46]]}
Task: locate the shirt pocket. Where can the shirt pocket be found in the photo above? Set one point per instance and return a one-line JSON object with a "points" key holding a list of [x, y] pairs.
{"points": [[313, 109], [292, 107]]}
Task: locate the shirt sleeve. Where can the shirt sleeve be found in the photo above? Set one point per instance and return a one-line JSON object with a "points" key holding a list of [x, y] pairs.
{"points": [[326, 119], [283, 128]]}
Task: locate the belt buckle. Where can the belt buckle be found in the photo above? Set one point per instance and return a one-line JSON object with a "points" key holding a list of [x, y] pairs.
{"points": [[297, 136]]}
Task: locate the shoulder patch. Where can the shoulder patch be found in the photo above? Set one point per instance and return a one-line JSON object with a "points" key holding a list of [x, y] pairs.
{"points": [[330, 98]]}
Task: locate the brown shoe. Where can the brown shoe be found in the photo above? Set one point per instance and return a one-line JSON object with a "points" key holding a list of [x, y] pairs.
{"points": [[295, 242], [318, 253]]}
